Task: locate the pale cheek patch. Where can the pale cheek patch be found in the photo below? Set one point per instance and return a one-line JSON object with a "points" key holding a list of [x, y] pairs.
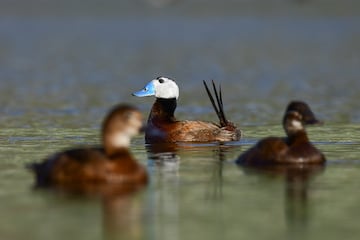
{"points": [[120, 140], [296, 125], [134, 126]]}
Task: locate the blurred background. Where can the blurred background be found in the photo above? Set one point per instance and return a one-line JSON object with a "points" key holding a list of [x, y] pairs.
{"points": [[68, 61]]}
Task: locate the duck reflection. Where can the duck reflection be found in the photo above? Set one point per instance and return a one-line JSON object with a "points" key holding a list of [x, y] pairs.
{"points": [[123, 216], [163, 157], [297, 179], [297, 183], [121, 206], [216, 180], [163, 165]]}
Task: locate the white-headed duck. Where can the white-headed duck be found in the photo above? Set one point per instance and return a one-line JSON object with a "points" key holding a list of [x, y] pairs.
{"points": [[293, 149], [93, 166], [162, 126]]}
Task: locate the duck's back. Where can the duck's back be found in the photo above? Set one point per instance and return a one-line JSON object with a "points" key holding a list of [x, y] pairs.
{"points": [[267, 151], [274, 150], [190, 131], [87, 165]]}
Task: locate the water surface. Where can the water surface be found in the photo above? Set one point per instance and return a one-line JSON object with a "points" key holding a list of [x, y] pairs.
{"points": [[62, 66]]}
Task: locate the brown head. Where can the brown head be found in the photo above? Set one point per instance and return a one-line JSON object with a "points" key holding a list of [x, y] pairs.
{"points": [[303, 109], [121, 124]]}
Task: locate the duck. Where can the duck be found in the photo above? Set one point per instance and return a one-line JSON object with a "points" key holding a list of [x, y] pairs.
{"points": [[295, 148], [111, 163], [163, 127]]}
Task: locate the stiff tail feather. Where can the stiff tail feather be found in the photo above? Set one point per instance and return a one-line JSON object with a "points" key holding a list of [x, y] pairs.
{"points": [[41, 171], [218, 106]]}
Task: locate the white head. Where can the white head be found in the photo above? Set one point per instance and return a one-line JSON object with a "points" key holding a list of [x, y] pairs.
{"points": [[161, 87]]}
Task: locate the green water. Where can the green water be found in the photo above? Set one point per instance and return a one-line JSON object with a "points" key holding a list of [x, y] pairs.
{"points": [[63, 65], [197, 194]]}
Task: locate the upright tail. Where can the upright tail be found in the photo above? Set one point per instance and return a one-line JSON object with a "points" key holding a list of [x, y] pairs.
{"points": [[218, 106], [41, 173]]}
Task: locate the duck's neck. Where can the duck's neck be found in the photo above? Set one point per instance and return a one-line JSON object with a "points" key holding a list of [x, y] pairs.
{"points": [[113, 152], [115, 144], [297, 137], [163, 110]]}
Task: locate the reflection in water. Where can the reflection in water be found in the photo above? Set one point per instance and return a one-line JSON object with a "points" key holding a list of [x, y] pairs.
{"points": [[164, 170], [297, 179], [214, 193], [163, 156], [122, 217], [121, 208], [216, 181], [164, 159]]}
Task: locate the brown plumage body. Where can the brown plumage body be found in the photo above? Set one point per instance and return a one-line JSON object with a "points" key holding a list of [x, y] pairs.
{"points": [[90, 167], [162, 126], [293, 149]]}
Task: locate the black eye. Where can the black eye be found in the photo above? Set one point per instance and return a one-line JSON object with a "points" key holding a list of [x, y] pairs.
{"points": [[161, 80]]}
